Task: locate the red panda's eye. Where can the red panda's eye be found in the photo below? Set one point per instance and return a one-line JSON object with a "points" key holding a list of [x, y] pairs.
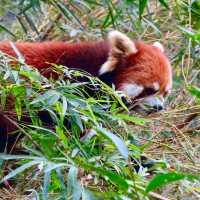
{"points": [[150, 91], [147, 92]]}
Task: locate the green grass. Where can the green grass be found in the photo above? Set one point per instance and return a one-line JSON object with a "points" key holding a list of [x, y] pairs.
{"points": [[93, 156]]}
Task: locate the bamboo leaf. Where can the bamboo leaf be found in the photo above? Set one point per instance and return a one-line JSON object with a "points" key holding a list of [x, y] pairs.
{"points": [[195, 91], [117, 141], [113, 176], [135, 120], [164, 179], [164, 3], [142, 6], [73, 186], [19, 170], [47, 178], [3, 28]]}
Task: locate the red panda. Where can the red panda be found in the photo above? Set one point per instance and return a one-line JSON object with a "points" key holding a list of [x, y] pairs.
{"points": [[138, 70]]}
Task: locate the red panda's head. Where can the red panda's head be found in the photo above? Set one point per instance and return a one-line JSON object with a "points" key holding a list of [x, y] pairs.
{"points": [[141, 71]]}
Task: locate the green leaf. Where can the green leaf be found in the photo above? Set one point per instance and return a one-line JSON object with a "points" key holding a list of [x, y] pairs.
{"points": [[4, 156], [113, 176], [19, 170], [164, 3], [3, 28], [87, 195], [31, 74], [18, 108], [163, 179], [49, 98], [31, 23], [47, 179], [18, 90], [195, 91], [68, 13], [39, 128], [34, 4], [193, 35], [64, 106], [3, 96], [135, 120], [142, 6], [117, 141], [74, 189]]}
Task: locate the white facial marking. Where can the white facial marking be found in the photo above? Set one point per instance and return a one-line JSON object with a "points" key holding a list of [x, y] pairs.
{"points": [[159, 45], [132, 89], [168, 88], [108, 66], [156, 86]]}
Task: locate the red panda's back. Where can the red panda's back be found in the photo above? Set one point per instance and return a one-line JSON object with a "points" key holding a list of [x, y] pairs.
{"points": [[86, 56]]}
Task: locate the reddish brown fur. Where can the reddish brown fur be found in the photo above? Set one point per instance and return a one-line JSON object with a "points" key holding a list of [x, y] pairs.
{"points": [[149, 65], [145, 67], [86, 56]]}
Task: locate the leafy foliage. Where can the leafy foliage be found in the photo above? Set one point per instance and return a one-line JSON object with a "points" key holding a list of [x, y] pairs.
{"points": [[91, 147], [61, 145], [163, 179]]}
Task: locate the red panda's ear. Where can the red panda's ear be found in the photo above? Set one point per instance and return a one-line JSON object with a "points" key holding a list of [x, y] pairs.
{"points": [[159, 46], [120, 46]]}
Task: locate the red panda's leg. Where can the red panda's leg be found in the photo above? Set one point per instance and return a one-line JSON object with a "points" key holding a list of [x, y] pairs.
{"points": [[3, 134], [8, 138]]}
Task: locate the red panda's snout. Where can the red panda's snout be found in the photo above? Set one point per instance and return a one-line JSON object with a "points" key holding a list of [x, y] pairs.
{"points": [[141, 71]]}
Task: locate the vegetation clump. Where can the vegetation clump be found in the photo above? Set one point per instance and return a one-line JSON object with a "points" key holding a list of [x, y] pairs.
{"points": [[69, 144]]}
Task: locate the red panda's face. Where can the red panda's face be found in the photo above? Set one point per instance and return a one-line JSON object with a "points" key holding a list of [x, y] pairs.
{"points": [[142, 71]]}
